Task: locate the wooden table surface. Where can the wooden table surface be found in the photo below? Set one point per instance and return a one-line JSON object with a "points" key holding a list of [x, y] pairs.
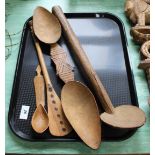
{"points": [[17, 12]]}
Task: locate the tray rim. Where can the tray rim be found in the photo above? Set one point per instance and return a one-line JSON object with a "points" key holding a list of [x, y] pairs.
{"points": [[127, 63]]}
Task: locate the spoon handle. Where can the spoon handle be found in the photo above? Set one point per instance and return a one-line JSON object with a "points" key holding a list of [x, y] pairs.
{"points": [[58, 123], [38, 70], [63, 68], [39, 87], [83, 60], [41, 60]]}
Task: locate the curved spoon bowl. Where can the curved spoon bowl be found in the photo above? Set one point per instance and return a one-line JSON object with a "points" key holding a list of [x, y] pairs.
{"points": [[46, 26], [125, 116], [40, 119], [81, 110]]}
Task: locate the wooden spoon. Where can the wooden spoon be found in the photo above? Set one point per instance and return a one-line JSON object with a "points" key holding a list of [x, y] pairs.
{"points": [[140, 34], [58, 123], [48, 29], [138, 11], [81, 110], [40, 119], [126, 116], [87, 127]]}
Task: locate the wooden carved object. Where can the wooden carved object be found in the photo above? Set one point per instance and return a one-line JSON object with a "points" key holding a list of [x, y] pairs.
{"points": [[145, 49], [40, 120], [58, 123], [140, 34], [117, 117], [63, 68], [48, 29], [82, 112], [147, 1], [138, 11], [147, 71], [145, 64]]}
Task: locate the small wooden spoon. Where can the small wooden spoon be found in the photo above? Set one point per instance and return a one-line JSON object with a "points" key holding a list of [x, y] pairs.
{"points": [[126, 116], [140, 34], [82, 112], [40, 119]]}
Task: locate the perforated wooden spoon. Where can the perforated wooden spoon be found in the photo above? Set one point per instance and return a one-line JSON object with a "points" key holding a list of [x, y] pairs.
{"points": [[58, 123], [40, 119], [126, 116]]}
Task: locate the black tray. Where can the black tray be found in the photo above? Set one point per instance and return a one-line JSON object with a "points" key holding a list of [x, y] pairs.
{"points": [[102, 36]]}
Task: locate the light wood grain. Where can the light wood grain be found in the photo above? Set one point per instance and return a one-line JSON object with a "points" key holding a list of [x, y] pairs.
{"points": [[82, 112], [122, 117], [63, 68], [83, 60], [39, 88], [58, 123], [48, 29], [18, 12]]}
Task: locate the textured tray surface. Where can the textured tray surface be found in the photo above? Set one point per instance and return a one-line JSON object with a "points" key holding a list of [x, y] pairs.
{"points": [[101, 39]]}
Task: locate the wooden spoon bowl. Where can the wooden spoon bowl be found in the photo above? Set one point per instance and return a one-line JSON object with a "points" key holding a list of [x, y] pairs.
{"points": [[140, 34], [40, 119], [82, 112], [125, 114], [58, 123]]}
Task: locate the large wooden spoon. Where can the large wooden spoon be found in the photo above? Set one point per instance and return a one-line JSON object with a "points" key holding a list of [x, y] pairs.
{"points": [[81, 110], [126, 116], [48, 29], [58, 123], [40, 119]]}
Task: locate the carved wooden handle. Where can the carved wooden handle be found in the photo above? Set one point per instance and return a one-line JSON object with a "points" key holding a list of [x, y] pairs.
{"points": [[63, 68], [40, 57], [39, 86], [83, 60]]}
